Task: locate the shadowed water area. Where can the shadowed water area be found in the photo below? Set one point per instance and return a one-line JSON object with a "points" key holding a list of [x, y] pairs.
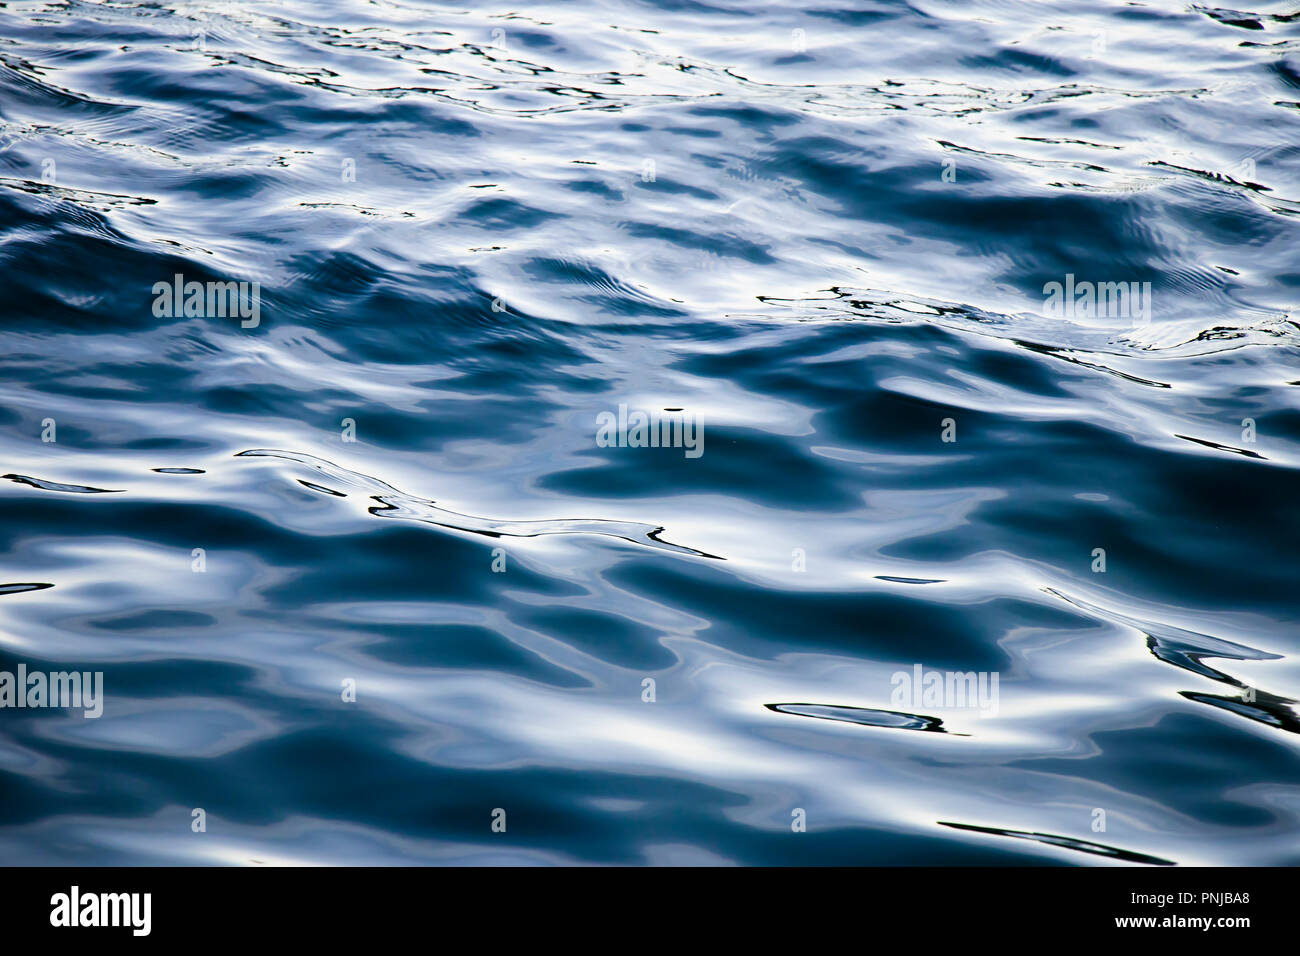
{"points": [[827, 236]]}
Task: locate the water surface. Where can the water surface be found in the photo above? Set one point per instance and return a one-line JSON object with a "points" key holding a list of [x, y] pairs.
{"points": [[824, 234]]}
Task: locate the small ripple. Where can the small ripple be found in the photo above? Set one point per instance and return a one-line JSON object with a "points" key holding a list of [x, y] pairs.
{"points": [[1219, 447], [867, 716], [45, 485], [398, 504], [1188, 650], [1261, 707], [1069, 843], [20, 588]]}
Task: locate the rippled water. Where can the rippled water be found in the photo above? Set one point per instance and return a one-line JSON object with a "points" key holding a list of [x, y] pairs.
{"points": [[826, 237]]}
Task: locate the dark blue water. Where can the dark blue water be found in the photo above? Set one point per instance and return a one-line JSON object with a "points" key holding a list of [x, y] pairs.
{"points": [[827, 237]]}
